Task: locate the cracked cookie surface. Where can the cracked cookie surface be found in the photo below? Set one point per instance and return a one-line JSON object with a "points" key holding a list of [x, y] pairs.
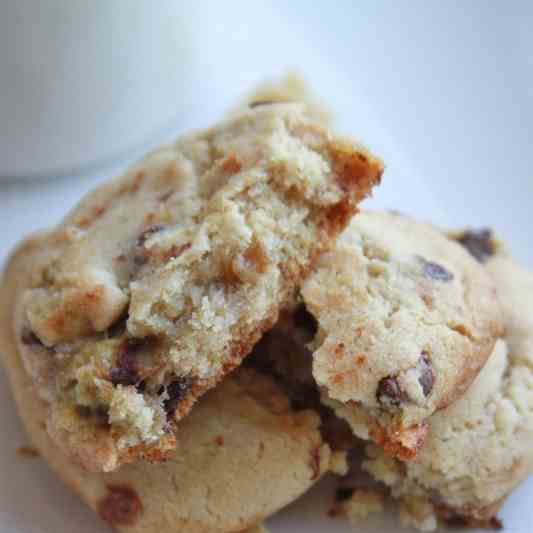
{"points": [[242, 453], [159, 282], [479, 448], [406, 319]]}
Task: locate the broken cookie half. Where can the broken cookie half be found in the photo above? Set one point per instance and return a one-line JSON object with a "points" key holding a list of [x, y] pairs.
{"points": [[161, 281], [399, 321], [478, 450], [242, 453]]}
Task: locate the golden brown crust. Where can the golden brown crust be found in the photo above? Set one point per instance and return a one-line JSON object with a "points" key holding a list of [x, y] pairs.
{"points": [[403, 443]]}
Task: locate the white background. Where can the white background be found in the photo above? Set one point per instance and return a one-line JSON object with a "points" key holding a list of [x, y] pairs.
{"points": [[442, 91]]}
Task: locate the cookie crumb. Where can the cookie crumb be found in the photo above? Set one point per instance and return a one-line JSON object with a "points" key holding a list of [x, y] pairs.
{"points": [[338, 463], [357, 503], [121, 506], [28, 452], [418, 512]]}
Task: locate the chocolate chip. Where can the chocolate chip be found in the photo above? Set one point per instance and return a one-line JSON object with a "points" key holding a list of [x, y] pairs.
{"points": [[258, 103], [83, 411], [304, 320], [436, 272], [29, 338], [118, 328], [479, 243], [389, 390], [127, 370], [427, 377], [176, 391], [121, 505], [344, 493], [102, 411]]}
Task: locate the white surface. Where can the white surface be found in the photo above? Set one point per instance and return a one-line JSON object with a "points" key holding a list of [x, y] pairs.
{"points": [[83, 81], [442, 91]]}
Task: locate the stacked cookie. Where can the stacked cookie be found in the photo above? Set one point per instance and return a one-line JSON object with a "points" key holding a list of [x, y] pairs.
{"points": [[123, 328], [423, 344], [204, 337]]}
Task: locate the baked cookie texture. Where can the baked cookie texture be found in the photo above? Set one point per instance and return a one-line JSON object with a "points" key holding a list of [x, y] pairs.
{"points": [[161, 281], [479, 448], [405, 320], [242, 453]]}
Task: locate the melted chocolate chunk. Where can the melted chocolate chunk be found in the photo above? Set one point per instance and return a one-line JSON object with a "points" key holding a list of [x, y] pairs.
{"points": [[29, 338], [436, 272], [121, 506], [427, 377], [389, 390], [344, 493], [479, 243], [176, 391], [83, 411], [304, 320], [127, 370]]}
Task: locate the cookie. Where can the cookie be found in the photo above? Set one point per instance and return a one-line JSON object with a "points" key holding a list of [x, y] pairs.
{"points": [[479, 448], [242, 453], [161, 281], [405, 319]]}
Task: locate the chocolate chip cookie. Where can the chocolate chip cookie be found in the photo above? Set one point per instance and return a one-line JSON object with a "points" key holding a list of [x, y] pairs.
{"points": [[242, 452], [479, 448], [405, 319], [161, 281]]}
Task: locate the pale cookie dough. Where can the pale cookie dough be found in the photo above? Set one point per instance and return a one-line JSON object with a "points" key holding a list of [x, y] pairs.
{"points": [[241, 455], [159, 282], [405, 321], [479, 448]]}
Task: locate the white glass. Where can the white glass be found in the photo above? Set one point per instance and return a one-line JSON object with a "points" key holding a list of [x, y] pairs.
{"points": [[84, 81]]}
